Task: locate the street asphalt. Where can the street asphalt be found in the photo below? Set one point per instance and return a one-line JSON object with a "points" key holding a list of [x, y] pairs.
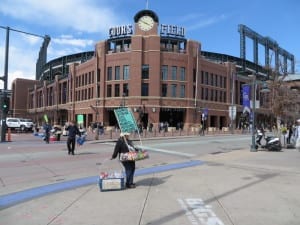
{"points": [[233, 188]]}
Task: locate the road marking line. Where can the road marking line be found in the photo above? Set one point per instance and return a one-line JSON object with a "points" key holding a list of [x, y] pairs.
{"points": [[160, 150], [165, 151], [15, 198]]}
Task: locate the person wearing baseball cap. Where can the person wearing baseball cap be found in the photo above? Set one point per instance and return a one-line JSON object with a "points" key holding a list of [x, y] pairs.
{"points": [[123, 145]]}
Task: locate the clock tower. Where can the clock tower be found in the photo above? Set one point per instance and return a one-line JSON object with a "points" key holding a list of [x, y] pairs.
{"points": [[146, 22]]}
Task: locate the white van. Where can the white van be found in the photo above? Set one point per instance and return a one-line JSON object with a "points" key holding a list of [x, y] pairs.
{"points": [[13, 123], [19, 124], [26, 124]]}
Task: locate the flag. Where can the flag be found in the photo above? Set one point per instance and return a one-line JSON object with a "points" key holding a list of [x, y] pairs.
{"points": [[246, 98], [46, 118]]}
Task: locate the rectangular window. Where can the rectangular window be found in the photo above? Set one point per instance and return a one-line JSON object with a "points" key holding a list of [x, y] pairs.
{"points": [[174, 72], [126, 89], [108, 94], [194, 75], [182, 91], [145, 72], [126, 72], [182, 73], [109, 73], [220, 96], [194, 91], [206, 78], [117, 90], [145, 89], [164, 73], [164, 90], [211, 79], [211, 94], [98, 75], [173, 90], [205, 94], [117, 73], [215, 80], [98, 91]]}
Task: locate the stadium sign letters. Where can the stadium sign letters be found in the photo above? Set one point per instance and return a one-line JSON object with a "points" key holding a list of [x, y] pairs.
{"points": [[171, 30], [120, 31], [165, 30]]}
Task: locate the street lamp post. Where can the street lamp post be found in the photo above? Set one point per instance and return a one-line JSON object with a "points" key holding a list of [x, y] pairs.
{"points": [[122, 103], [253, 146]]}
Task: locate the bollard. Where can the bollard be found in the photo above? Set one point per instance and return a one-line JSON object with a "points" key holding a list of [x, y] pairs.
{"points": [[8, 134]]}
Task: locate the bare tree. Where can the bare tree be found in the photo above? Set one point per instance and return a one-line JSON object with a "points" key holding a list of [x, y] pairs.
{"points": [[283, 99]]}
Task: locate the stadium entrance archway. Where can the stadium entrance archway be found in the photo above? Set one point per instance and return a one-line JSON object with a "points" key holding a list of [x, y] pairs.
{"points": [[174, 117]]}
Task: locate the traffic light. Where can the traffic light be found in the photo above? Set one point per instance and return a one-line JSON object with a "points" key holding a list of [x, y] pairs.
{"points": [[5, 104]]}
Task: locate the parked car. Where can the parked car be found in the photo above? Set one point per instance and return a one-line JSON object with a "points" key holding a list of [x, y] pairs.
{"points": [[13, 123], [26, 124], [21, 124]]}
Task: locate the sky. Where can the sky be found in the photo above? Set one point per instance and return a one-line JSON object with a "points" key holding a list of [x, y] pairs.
{"points": [[76, 25]]}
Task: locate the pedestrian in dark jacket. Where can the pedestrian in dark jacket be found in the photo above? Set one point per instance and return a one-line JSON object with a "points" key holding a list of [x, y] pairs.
{"points": [[122, 146], [72, 132], [47, 129]]}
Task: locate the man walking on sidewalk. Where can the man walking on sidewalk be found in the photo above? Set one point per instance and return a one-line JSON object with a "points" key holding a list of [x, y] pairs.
{"points": [[72, 132]]}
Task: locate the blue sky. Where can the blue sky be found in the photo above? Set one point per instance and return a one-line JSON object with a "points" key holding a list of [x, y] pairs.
{"points": [[76, 25]]}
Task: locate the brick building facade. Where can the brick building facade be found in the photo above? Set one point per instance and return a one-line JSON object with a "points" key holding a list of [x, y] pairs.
{"points": [[149, 67]]}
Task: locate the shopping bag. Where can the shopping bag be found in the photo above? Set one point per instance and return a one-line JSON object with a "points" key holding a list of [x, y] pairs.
{"points": [[298, 143], [134, 155], [81, 140]]}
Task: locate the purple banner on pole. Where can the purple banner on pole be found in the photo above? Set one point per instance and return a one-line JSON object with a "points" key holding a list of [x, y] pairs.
{"points": [[246, 98]]}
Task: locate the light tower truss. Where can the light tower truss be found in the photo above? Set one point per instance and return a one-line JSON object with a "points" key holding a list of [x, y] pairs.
{"points": [[269, 44]]}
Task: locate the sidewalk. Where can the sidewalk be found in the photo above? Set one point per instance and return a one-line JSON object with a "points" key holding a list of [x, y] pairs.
{"points": [[235, 188]]}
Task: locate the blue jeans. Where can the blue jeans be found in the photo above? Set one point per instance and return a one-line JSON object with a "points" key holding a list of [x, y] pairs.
{"points": [[129, 171]]}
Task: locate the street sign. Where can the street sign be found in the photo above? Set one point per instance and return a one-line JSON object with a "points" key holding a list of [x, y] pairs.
{"points": [[126, 120], [232, 112]]}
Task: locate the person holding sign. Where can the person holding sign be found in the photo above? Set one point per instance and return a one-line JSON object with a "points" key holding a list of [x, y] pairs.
{"points": [[72, 132], [124, 145]]}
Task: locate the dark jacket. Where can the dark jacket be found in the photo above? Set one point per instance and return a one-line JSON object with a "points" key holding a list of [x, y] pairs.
{"points": [[47, 128], [121, 147], [73, 131]]}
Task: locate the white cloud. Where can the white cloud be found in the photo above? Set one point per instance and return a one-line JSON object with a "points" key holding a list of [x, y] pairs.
{"points": [[69, 40], [201, 22], [80, 15], [71, 24], [21, 64]]}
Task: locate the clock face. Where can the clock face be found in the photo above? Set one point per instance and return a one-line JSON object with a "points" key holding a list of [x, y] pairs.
{"points": [[146, 23]]}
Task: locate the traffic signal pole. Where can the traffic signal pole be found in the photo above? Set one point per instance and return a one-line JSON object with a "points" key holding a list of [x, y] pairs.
{"points": [[4, 78], [4, 96]]}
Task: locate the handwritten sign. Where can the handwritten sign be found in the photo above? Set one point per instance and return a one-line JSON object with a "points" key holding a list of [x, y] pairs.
{"points": [[125, 120]]}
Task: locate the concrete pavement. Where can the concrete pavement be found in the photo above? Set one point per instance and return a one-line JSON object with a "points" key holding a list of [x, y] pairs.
{"points": [[238, 187]]}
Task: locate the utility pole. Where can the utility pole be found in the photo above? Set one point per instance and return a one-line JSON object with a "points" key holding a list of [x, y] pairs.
{"points": [[4, 97]]}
